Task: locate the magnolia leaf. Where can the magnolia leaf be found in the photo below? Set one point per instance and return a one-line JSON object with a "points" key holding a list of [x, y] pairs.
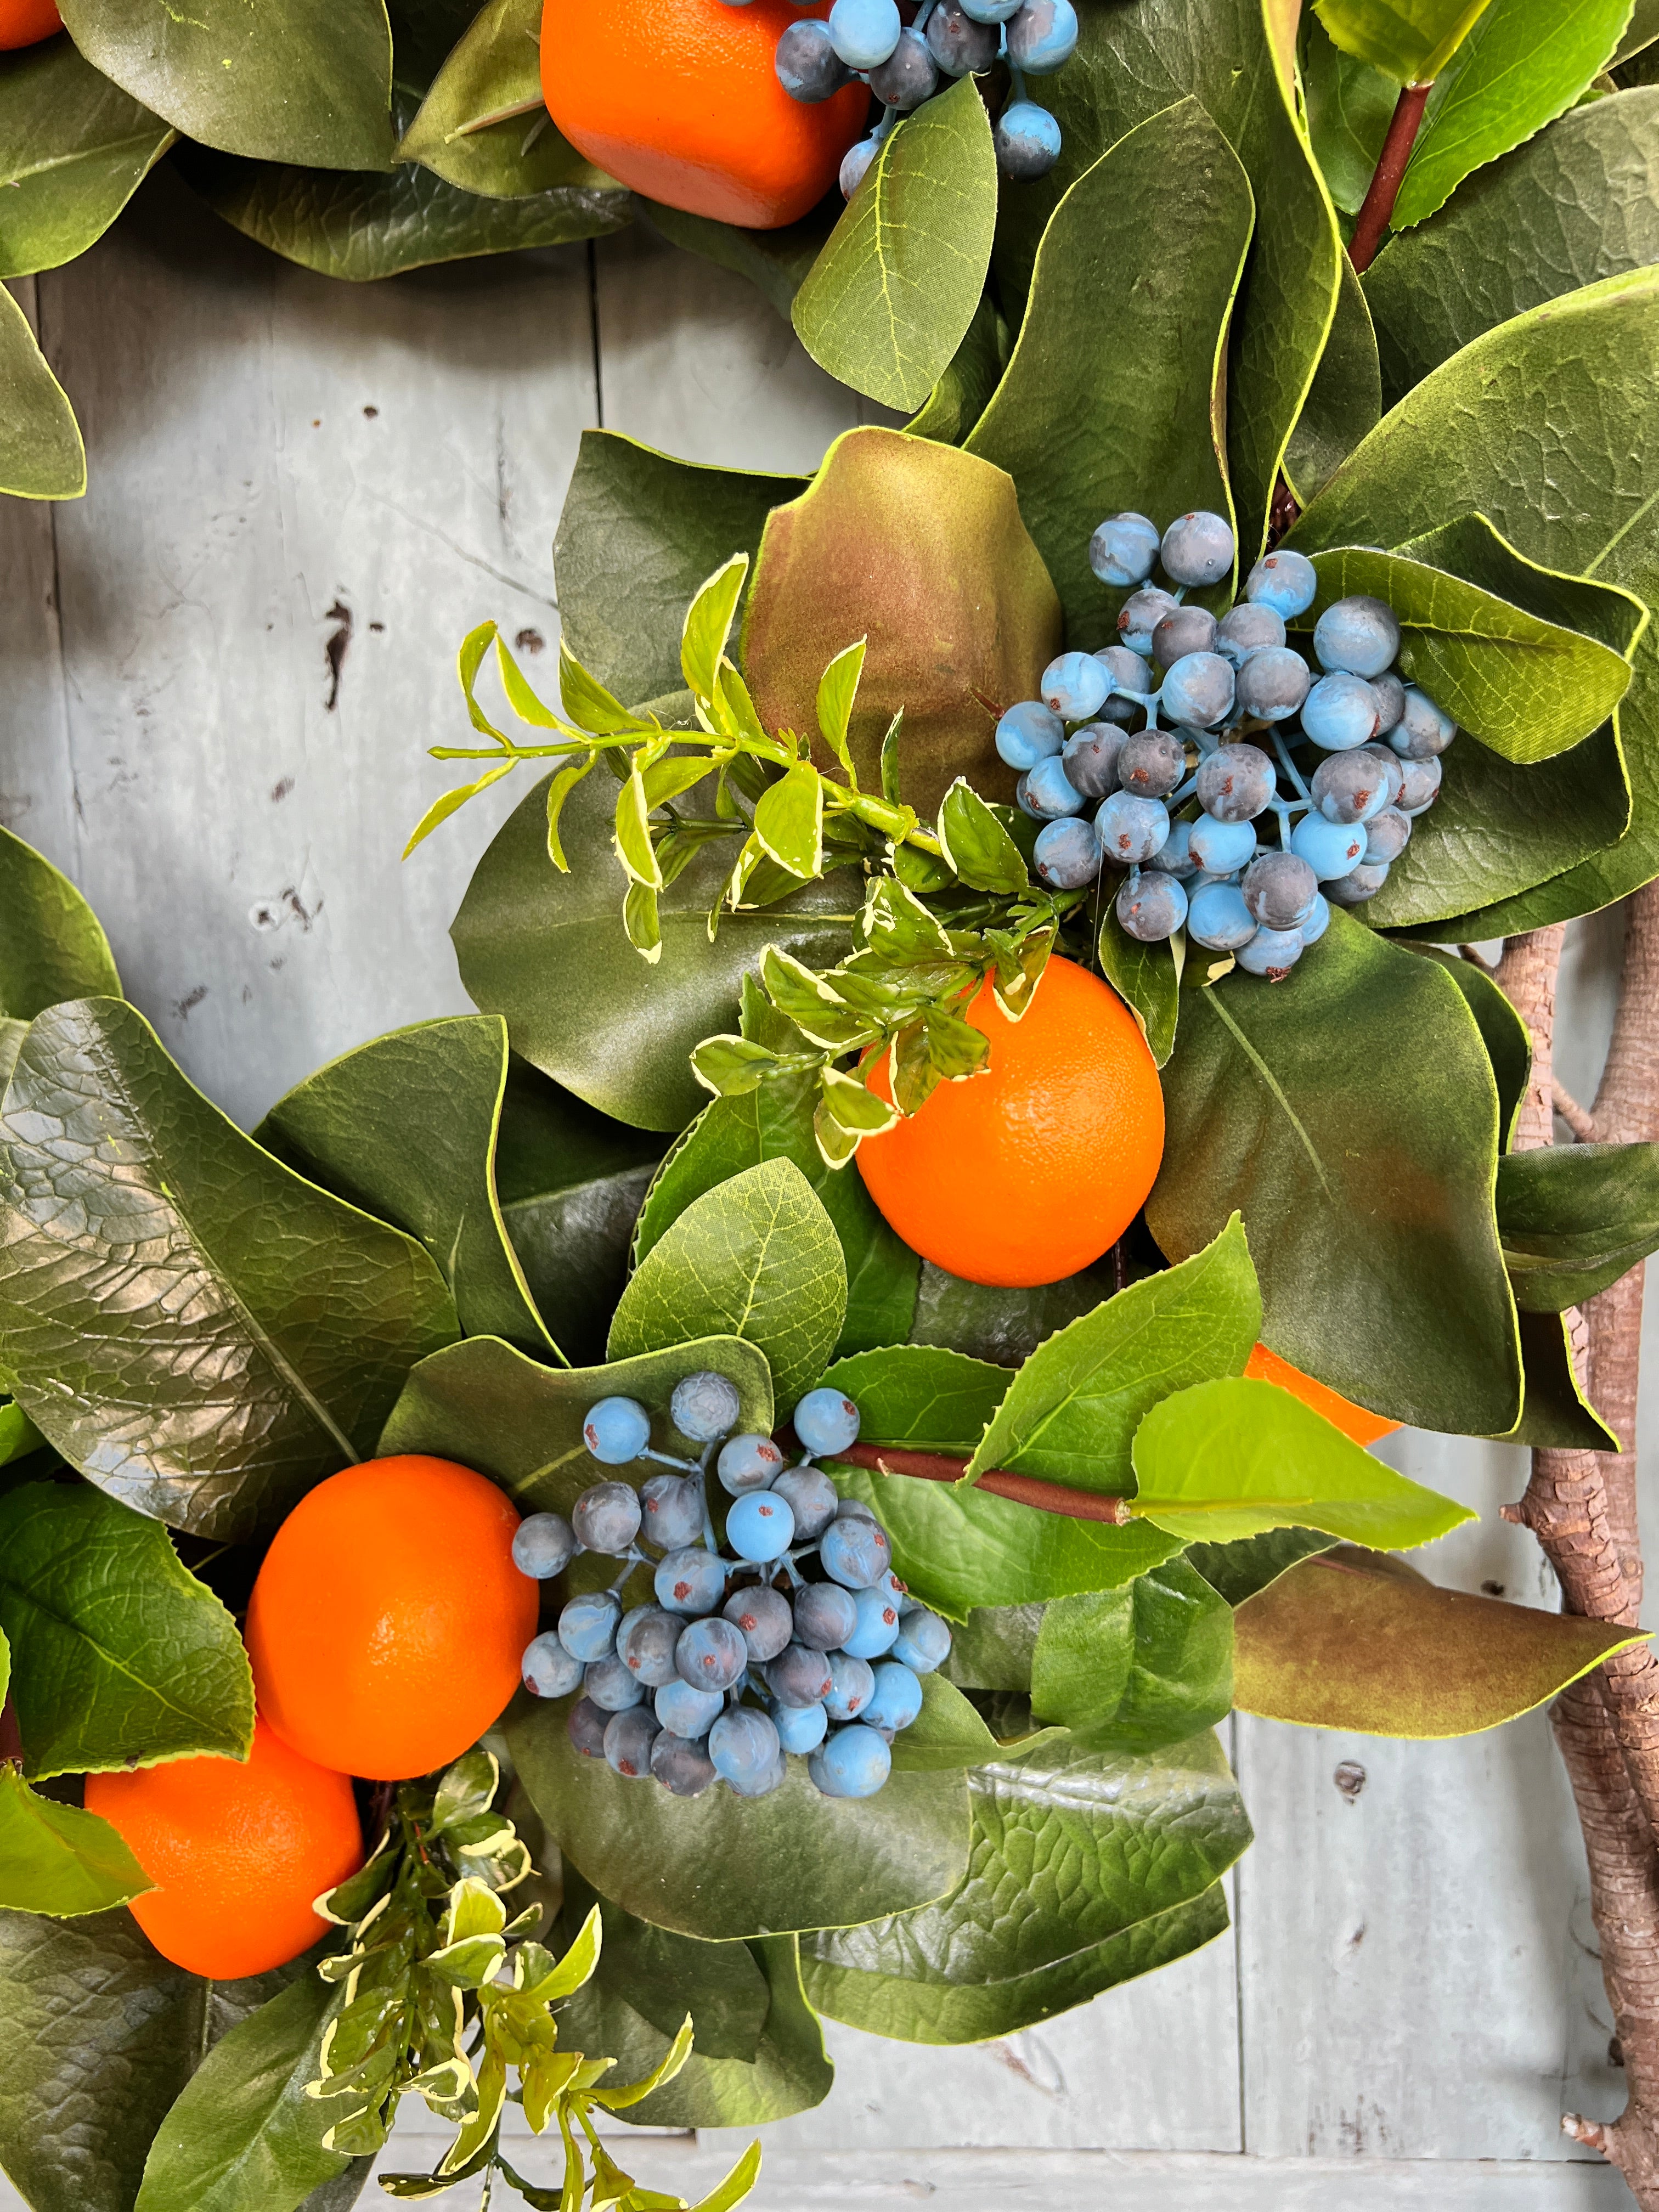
{"points": [[1574, 1219], [1133, 1668], [969, 378], [482, 124], [1237, 1570], [41, 455], [1411, 40], [776, 262], [76, 147], [52, 946], [56, 1859]]}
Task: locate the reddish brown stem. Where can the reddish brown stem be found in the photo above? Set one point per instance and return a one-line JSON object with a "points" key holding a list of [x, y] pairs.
{"points": [[1375, 215], [11, 1737], [1000, 1482]]}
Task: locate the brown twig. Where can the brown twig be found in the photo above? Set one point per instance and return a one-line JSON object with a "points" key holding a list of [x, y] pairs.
{"points": [[11, 1736], [1372, 227], [1582, 1124], [1000, 1482], [1477, 958]]}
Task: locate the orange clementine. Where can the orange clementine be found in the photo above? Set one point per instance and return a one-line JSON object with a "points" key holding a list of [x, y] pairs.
{"points": [[237, 1852], [26, 22], [1355, 1421], [1027, 1173], [388, 1621], [681, 101]]}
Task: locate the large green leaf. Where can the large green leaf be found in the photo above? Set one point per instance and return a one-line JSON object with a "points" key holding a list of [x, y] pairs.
{"points": [[1071, 1413], [548, 952], [1238, 58], [1350, 106], [1517, 428], [41, 455], [57, 1859], [1509, 1047], [1412, 40], [774, 261], [482, 125], [51, 946], [304, 81], [926, 1397], [1358, 1641], [1555, 1413], [486, 1405], [405, 1129], [756, 1257], [968, 379], [1363, 1174], [1133, 1668], [1579, 202], [1344, 399], [75, 149], [889, 298], [719, 1866], [1237, 1570], [244, 2136], [1002, 1326], [1574, 1217], [1225, 1460], [1086, 429], [121, 1657], [1524, 62], [1071, 1849], [202, 1332]]}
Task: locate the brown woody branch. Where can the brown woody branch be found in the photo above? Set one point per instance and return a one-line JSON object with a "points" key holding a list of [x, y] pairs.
{"points": [[1001, 1481]]}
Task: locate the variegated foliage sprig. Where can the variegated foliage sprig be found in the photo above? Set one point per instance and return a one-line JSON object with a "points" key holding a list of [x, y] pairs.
{"points": [[442, 1996]]}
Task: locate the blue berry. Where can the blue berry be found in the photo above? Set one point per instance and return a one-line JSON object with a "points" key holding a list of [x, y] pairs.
{"points": [[1284, 581], [544, 1544], [1029, 732], [1090, 757], [586, 1724], [617, 1430], [763, 1620], [1123, 551], [1126, 673], [799, 1677], [1387, 835], [1027, 141], [826, 1421], [1339, 712], [1234, 782], [628, 1741], [548, 1668], [1271, 953], [1273, 684], [607, 1518], [853, 1762], [924, 1640], [896, 1699], [1181, 631], [1389, 766], [1350, 786], [744, 1744], [1050, 794], [689, 1582], [1022, 801], [645, 1644], [688, 1710], [1220, 849], [1358, 635], [670, 1510], [855, 1509], [855, 1553], [587, 1625], [1318, 921], [1362, 882], [1129, 829], [1043, 37], [877, 1624], [704, 1405], [825, 1615], [1248, 628], [610, 1686], [1176, 857], [811, 1498], [909, 74], [1330, 848], [1279, 889], [685, 1768], [852, 1685], [1198, 689], [748, 1463], [1139, 615], [864, 31], [711, 1653], [760, 1527], [761, 1784], [961, 46], [800, 1728], [808, 67], [1198, 548], [855, 162], [987, 11], [1066, 855], [1152, 909], [1075, 686], [1420, 786], [1217, 917], [1423, 730], [1150, 764], [1391, 695]]}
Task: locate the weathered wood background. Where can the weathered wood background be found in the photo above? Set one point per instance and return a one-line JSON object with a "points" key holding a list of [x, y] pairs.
{"points": [[221, 670]]}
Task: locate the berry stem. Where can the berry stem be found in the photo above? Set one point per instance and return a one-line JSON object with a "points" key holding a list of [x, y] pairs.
{"points": [[1372, 227], [1290, 767], [1001, 1482]]}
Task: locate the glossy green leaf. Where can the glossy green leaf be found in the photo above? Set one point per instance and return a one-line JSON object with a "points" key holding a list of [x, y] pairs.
{"points": [[56, 1859], [789, 820], [1350, 106], [75, 149], [484, 1404], [121, 1657], [1503, 1032], [405, 1129], [757, 1257], [948, 1735], [1640, 33], [1249, 1564], [244, 2136], [1084, 429], [1002, 1326], [1071, 1413], [51, 946], [1236, 1458], [775, 262], [1344, 399], [1133, 1668], [925, 1396], [888, 301], [483, 126], [1520, 67], [1072, 1851], [18, 1435], [305, 80], [1147, 978], [41, 455], [1412, 40], [257, 1385], [1363, 1176], [1364, 1643], [1555, 1413], [968, 379], [977, 846], [1574, 1219]]}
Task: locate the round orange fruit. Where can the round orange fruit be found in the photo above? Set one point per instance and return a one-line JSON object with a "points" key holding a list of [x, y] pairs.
{"points": [[238, 1852], [1355, 1421], [26, 22], [681, 101], [1026, 1173], [388, 1621]]}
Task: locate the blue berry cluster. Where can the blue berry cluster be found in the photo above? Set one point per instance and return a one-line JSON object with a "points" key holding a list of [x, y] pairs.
{"points": [[903, 65], [743, 1658], [1180, 805]]}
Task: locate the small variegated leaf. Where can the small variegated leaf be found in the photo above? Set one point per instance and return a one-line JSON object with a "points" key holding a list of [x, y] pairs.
{"points": [[735, 2185], [587, 702], [473, 1910], [526, 704], [977, 846], [789, 820], [633, 833], [811, 1003], [468, 661], [1019, 967], [736, 713], [897, 927], [666, 779], [465, 1789], [731, 1066], [837, 689], [575, 1967], [452, 802], [709, 625], [853, 1105], [642, 921], [890, 762]]}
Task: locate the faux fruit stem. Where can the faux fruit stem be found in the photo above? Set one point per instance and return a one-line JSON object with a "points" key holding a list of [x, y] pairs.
{"points": [[1582, 1507], [1023, 1489], [1377, 209]]}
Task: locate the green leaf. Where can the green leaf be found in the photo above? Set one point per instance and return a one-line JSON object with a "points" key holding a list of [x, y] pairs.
{"points": [[1520, 67], [953, 543], [1087, 429], [482, 124], [405, 1129], [947, 1735], [1249, 1564], [924, 1397], [486, 1405], [969, 378], [122, 1657], [1574, 1219], [1503, 1032], [977, 846], [1525, 687], [41, 455], [1364, 1643], [1147, 978], [1363, 1176], [549, 953], [1344, 399], [1350, 106], [56, 1859], [305, 80], [838, 687], [1236, 1458], [789, 820], [1555, 1413], [52, 946], [1071, 1849], [1071, 1413], [709, 625], [719, 1866], [757, 1257], [75, 149], [244, 2136], [258, 1385], [1133, 1668], [1411, 40], [888, 301], [1003, 1325], [774, 261], [1642, 30]]}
